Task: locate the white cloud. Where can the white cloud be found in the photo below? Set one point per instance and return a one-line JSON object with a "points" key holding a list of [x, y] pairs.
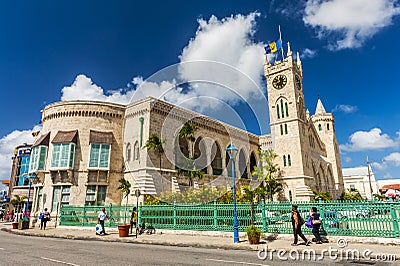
{"points": [[369, 140], [7, 145], [345, 108], [347, 159], [350, 23], [387, 176], [379, 166], [393, 158], [308, 53]]}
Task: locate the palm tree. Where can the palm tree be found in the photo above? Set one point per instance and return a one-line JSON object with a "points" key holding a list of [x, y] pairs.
{"points": [[18, 201], [187, 131], [156, 143], [125, 188], [250, 195], [323, 195], [268, 171], [190, 174]]}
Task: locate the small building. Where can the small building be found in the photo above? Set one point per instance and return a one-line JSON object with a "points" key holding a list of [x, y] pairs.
{"points": [[362, 179], [19, 180]]}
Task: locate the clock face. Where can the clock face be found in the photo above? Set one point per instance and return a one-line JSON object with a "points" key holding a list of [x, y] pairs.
{"points": [[279, 82], [298, 82]]}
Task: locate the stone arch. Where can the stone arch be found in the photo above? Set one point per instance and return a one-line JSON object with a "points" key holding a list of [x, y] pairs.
{"points": [[136, 151], [200, 154], [253, 163], [242, 163], [216, 163]]}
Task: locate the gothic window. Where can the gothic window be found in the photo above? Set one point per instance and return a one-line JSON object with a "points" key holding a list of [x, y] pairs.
{"points": [[284, 160], [277, 111], [281, 129], [289, 161], [136, 151], [282, 110], [319, 127], [327, 126], [286, 131], [287, 109], [128, 152]]}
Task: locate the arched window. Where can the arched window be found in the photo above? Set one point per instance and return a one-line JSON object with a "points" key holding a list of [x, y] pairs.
{"points": [[277, 111], [284, 160], [289, 161], [290, 195], [286, 131], [282, 110], [319, 127], [327, 126], [128, 152], [287, 109], [281, 129], [136, 151]]}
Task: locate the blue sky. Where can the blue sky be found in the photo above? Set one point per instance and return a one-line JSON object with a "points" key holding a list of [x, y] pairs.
{"points": [[107, 50]]}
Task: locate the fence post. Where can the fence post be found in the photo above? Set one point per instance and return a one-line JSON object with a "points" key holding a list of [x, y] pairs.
{"points": [[174, 215], [139, 216], [84, 215], [393, 213], [111, 215], [264, 217], [215, 216]]}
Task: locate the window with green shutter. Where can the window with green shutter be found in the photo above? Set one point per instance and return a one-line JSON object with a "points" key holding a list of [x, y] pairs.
{"points": [[99, 157], [63, 156], [38, 158]]}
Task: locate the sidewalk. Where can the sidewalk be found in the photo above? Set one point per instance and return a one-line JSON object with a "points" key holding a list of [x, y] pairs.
{"points": [[217, 240]]}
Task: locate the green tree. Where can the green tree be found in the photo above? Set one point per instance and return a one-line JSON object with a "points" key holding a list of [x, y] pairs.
{"points": [[252, 194], [18, 201], [352, 194], [323, 195], [156, 143], [125, 188], [268, 171], [187, 131]]}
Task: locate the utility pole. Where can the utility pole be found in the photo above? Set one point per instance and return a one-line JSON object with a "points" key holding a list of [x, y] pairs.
{"points": [[369, 178]]}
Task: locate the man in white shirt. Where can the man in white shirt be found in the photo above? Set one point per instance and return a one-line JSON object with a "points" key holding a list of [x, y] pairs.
{"points": [[102, 217]]}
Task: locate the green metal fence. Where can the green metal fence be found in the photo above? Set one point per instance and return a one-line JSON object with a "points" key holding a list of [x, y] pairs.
{"points": [[366, 218]]}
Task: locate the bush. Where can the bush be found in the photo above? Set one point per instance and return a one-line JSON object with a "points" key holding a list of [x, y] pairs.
{"points": [[253, 232]]}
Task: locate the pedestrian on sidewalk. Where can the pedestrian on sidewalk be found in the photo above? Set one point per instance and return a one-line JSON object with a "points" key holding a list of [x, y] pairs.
{"points": [[297, 223], [134, 219], [101, 218], [45, 219], [316, 222]]}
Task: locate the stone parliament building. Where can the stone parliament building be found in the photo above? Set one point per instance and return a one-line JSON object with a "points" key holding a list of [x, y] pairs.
{"points": [[85, 147]]}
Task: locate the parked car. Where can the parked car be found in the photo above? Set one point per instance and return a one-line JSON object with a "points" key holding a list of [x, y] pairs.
{"points": [[355, 213]]}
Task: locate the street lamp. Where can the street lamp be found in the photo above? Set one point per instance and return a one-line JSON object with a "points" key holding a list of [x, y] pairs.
{"points": [[137, 194], [232, 152]]}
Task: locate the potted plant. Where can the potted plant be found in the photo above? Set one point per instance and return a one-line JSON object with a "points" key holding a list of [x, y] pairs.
{"points": [[125, 188], [253, 234]]}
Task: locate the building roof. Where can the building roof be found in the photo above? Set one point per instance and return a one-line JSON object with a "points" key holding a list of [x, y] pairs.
{"points": [[320, 110], [392, 186], [357, 171], [65, 136], [42, 140], [99, 137]]}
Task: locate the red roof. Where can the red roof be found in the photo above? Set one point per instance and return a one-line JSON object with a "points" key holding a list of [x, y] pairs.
{"points": [[392, 186]]}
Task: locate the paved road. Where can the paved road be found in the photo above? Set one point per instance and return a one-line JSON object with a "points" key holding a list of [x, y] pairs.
{"points": [[28, 250]]}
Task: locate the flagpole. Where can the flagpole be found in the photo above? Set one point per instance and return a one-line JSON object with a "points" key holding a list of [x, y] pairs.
{"points": [[280, 38]]}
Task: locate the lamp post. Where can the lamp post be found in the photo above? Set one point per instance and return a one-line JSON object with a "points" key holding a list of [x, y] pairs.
{"points": [[232, 151], [137, 194]]}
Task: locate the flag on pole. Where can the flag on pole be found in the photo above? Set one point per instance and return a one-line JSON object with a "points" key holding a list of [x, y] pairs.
{"points": [[274, 47]]}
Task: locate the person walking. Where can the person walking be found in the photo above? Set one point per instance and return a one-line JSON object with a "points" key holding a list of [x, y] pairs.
{"points": [[101, 218], [297, 223], [316, 222], [45, 219], [133, 219]]}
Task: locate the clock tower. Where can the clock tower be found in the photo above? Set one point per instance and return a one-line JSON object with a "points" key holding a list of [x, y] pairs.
{"points": [[289, 124]]}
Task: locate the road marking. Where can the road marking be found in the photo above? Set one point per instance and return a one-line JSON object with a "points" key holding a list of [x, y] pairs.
{"points": [[238, 262], [59, 261]]}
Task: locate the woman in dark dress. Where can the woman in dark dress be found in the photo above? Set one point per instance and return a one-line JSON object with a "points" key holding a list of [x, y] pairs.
{"points": [[297, 223], [316, 220]]}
